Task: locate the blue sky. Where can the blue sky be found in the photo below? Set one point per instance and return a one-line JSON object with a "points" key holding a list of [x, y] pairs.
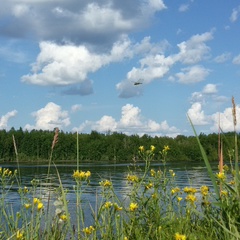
{"points": [[73, 65]]}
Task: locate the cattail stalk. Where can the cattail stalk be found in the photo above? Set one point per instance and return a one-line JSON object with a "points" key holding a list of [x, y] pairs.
{"points": [[54, 142], [16, 153], [236, 143]]}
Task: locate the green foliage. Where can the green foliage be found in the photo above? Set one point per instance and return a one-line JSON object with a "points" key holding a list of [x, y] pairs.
{"points": [[112, 146]]}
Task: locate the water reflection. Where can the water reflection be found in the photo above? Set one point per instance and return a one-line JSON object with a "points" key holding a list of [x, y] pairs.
{"points": [[187, 174]]}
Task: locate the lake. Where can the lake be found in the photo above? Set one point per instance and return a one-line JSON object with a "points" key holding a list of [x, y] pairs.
{"points": [[187, 174]]}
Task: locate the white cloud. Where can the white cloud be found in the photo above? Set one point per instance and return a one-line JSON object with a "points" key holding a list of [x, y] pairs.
{"points": [[96, 22], [102, 18], [130, 116], [131, 122], [152, 67], [63, 65], [76, 108], [183, 7], [226, 120], [155, 66], [235, 14], [49, 117], [4, 119], [222, 58], [210, 89], [196, 114], [156, 5], [194, 50], [192, 74], [106, 123], [236, 60]]}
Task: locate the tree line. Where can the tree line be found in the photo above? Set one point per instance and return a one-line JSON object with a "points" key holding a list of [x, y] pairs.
{"points": [[36, 145]]}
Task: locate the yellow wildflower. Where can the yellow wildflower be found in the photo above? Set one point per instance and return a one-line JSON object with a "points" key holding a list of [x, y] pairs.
{"points": [[152, 148], [191, 198], [125, 238], [19, 235], [221, 175], [7, 172], [141, 148], [172, 173], [166, 148], [40, 206], [116, 207], [88, 230], [79, 175], [133, 207], [175, 190], [224, 193], [179, 199], [63, 217], [25, 190], [27, 205], [148, 186], [36, 201], [190, 190], [105, 183], [87, 174], [152, 172], [132, 178], [107, 205], [204, 190], [179, 236]]}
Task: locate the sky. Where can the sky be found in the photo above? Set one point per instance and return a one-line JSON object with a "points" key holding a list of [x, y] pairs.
{"points": [[74, 65]]}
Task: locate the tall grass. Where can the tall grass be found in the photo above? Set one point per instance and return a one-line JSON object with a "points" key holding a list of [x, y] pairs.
{"points": [[155, 207]]}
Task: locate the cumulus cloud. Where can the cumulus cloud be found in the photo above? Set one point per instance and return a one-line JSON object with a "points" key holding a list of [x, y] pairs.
{"points": [[131, 122], [197, 115], [195, 49], [192, 74], [63, 65], [106, 123], [152, 67], [156, 65], [210, 89], [5, 118], [49, 117], [95, 22], [226, 120]]}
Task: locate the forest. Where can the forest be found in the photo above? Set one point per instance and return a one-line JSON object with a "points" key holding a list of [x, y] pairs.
{"points": [[35, 146]]}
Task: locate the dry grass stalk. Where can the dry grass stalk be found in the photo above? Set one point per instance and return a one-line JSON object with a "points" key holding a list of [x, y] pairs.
{"points": [[55, 139], [234, 113]]}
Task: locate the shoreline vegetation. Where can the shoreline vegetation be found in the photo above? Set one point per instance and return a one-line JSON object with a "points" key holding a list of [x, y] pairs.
{"points": [[155, 208], [110, 147]]}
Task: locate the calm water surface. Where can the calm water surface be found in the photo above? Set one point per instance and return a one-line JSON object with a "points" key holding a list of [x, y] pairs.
{"points": [[187, 173]]}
